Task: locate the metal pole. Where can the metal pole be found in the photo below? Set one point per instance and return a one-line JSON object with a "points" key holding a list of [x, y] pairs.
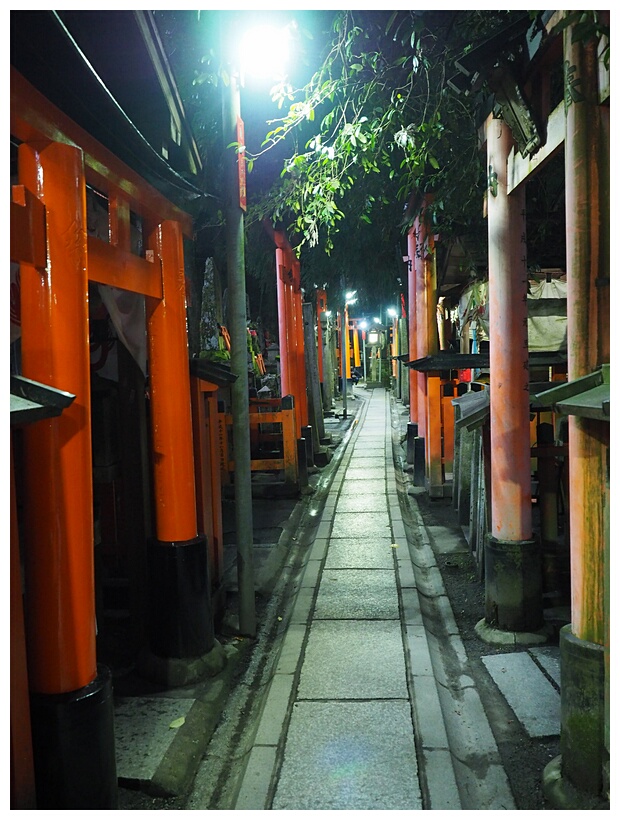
{"points": [[235, 258]]}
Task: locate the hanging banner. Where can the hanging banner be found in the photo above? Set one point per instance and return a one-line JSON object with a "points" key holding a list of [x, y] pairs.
{"points": [[243, 202]]}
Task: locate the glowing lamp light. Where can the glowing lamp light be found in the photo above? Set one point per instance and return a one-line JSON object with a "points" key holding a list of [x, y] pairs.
{"points": [[373, 337], [264, 52]]}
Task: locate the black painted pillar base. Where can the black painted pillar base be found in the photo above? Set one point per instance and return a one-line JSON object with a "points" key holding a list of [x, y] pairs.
{"points": [[181, 617], [306, 433], [513, 585], [419, 462], [73, 747], [582, 734], [302, 463], [412, 432]]}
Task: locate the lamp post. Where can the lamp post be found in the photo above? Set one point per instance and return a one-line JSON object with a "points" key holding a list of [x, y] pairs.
{"points": [[237, 320], [235, 206]]}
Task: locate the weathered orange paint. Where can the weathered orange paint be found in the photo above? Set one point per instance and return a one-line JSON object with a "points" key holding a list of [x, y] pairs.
{"points": [[291, 335], [58, 533], [588, 439], [291, 327], [511, 505], [300, 354], [171, 422], [285, 385], [119, 220], [413, 323], [428, 399]]}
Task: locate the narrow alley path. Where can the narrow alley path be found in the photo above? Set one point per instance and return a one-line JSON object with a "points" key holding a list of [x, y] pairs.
{"points": [[359, 692], [352, 718], [350, 741]]}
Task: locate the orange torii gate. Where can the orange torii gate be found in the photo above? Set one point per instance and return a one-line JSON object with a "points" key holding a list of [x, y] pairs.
{"points": [[290, 326], [56, 161]]}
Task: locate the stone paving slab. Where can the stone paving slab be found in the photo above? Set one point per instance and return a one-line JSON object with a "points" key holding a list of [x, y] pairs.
{"points": [[357, 487], [335, 759], [357, 593], [447, 540], [534, 700], [353, 659], [366, 553], [257, 779], [366, 502], [365, 524], [549, 658], [359, 474]]}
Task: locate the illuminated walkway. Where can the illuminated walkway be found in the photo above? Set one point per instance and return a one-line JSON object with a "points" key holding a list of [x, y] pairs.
{"points": [[337, 729]]}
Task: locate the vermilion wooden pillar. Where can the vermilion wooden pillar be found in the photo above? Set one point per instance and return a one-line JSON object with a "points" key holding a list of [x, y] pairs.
{"points": [[291, 328], [291, 335], [583, 767], [281, 277], [434, 460], [74, 757], [421, 329], [321, 307], [512, 559], [413, 323], [55, 351], [173, 468], [181, 624], [300, 357]]}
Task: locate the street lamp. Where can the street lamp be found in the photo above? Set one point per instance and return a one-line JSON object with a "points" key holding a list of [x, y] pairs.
{"points": [[264, 51], [235, 207]]}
